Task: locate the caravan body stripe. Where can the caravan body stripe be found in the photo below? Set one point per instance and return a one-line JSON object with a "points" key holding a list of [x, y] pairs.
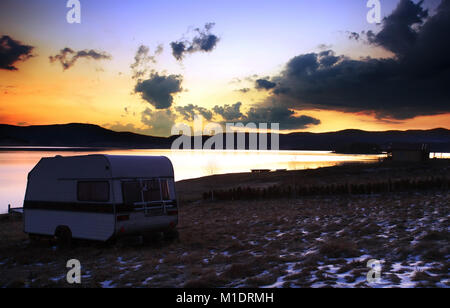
{"points": [[81, 207]]}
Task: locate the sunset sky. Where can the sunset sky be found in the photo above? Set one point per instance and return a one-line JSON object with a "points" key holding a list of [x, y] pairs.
{"points": [[142, 66]]}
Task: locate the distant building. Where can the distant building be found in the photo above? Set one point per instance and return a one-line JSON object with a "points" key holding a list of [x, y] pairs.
{"points": [[409, 152], [261, 170]]}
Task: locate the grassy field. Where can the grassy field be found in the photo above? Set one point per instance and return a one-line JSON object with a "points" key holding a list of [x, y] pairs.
{"points": [[193, 190], [314, 241]]}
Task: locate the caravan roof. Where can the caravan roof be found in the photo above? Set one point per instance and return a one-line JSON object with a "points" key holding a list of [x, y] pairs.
{"points": [[100, 166]]}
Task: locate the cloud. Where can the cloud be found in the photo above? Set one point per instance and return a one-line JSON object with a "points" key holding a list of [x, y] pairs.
{"points": [[412, 83], [264, 84], [204, 41], [230, 113], [142, 60], [154, 123], [158, 122], [284, 116], [324, 47], [353, 36], [12, 51], [188, 112], [244, 90], [398, 34], [158, 90], [265, 114], [178, 50], [68, 57]]}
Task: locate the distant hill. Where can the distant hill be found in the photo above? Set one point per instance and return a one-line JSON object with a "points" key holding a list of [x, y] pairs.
{"points": [[76, 135], [437, 139], [346, 141]]}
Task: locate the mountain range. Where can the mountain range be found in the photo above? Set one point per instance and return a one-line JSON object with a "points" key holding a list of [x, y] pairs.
{"points": [[346, 141]]}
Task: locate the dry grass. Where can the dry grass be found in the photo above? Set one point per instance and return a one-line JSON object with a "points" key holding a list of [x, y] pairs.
{"points": [[309, 242], [192, 190], [339, 248]]}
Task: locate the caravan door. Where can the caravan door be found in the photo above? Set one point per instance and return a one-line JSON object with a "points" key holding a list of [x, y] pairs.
{"points": [[151, 202]]}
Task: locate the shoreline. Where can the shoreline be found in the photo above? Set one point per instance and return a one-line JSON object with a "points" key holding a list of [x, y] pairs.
{"points": [[99, 149], [351, 173]]}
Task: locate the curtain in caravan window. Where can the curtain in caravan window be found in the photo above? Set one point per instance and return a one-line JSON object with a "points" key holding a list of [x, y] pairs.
{"points": [[131, 192], [165, 190], [151, 190], [93, 191]]}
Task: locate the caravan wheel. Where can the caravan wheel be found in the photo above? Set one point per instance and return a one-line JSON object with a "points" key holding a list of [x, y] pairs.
{"points": [[63, 236]]}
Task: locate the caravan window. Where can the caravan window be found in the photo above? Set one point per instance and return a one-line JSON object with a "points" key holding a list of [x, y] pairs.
{"points": [[165, 189], [93, 191], [145, 191], [151, 190], [131, 192]]}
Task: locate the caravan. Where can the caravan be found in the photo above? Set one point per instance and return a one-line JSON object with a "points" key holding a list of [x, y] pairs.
{"points": [[100, 197]]}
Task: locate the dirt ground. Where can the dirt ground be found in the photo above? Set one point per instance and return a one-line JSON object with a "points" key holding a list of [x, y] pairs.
{"points": [[310, 242]]}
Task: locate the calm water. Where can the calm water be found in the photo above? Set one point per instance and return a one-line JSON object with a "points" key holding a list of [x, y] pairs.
{"points": [[15, 165]]}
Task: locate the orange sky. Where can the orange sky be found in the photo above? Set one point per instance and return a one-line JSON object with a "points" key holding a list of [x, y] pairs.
{"points": [[96, 95], [98, 92], [64, 99]]}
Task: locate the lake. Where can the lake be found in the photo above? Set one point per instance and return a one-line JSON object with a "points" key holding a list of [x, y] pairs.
{"points": [[15, 165]]}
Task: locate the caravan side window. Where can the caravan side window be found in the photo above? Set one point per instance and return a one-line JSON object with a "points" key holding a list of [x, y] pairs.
{"points": [[93, 191]]}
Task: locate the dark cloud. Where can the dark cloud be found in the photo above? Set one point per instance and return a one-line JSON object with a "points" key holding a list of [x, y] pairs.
{"points": [[143, 59], [178, 50], [229, 113], [353, 36], [190, 111], [398, 34], [414, 82], [264, 84], [12, 51], [244, 90], [204, 41], [278, 114], [158, 90], [265, 114], [68, 57]]}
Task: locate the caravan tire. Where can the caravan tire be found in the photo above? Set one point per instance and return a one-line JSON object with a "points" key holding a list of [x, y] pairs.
{"points": [[63, 236]]}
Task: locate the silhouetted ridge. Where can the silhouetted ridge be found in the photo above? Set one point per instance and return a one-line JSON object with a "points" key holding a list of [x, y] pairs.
{"points": [[345, 141]]}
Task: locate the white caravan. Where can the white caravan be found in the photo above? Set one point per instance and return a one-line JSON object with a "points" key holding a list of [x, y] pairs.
{"points": [[99, 197]]}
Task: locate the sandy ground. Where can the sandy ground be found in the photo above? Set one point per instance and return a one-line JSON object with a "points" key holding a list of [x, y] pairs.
{"points": [[310, 242]]}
